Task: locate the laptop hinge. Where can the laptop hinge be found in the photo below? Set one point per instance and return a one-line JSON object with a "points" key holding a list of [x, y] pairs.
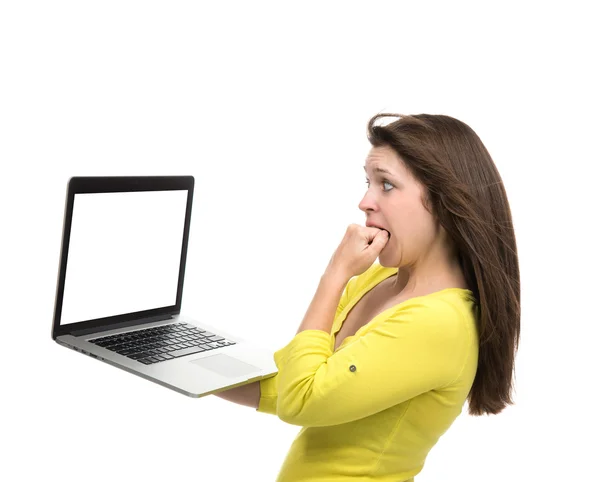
{"points": [[123, 324]]}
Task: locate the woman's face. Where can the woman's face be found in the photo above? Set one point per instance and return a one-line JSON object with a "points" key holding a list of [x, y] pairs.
{"points": [[393, 202]]}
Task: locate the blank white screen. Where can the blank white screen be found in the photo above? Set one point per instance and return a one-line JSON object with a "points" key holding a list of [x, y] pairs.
{"points": [[124, 253]]}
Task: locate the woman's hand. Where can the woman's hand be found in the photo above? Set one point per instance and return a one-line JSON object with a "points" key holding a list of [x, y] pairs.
{"points": [[357, 251]]}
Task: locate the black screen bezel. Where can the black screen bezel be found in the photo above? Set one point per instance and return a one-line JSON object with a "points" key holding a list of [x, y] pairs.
{"points": [[101, 184]]}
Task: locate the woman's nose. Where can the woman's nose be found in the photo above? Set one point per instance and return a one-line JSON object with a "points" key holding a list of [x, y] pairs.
{"points": [[367, 202]]}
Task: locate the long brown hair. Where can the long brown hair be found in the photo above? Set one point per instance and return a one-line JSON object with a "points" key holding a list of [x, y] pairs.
{"points": [[466, 195]]}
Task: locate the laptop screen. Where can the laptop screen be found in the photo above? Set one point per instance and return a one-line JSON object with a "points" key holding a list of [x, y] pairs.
{"points": [[124, 253]]}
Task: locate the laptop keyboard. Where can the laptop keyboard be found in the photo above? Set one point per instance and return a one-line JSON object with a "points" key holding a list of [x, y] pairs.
{"points": [[161, 343]]}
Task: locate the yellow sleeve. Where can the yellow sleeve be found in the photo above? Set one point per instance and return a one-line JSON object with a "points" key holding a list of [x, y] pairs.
{"points": [[268, 386], [268, 395], [421, 347]]}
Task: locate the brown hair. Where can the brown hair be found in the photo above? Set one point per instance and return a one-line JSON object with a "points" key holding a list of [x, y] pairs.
{"points": [[466, 195]]}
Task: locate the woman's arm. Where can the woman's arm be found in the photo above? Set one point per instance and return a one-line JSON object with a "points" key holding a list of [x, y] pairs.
{"points": [[248, 395]]}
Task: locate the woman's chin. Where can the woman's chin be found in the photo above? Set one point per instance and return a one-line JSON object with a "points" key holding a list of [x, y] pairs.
{"points": [[385, 257]]}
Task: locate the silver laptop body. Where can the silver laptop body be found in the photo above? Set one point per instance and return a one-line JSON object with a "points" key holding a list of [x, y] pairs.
{"points": [[124, 274]]}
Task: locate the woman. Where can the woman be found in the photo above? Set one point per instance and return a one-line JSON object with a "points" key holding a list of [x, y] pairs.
{"points": [[389, 352]]}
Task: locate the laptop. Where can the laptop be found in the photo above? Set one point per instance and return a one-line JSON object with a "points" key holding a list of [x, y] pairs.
{"points": [[120, 286]]}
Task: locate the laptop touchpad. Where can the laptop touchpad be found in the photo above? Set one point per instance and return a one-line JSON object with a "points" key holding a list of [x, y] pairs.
{"points": [[225, 365]]}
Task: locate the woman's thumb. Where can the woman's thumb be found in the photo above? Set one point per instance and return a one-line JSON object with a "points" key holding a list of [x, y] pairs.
{"points": [[382, 237]]}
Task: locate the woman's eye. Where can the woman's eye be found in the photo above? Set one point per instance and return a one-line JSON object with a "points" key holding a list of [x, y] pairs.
{"points": [[384, 182]]}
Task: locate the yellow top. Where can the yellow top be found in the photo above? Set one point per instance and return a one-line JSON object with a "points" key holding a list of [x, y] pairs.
{"points": [[373, 409]]}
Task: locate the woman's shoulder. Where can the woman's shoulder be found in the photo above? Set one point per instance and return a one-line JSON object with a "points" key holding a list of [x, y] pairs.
{"points": [[449, 312]]}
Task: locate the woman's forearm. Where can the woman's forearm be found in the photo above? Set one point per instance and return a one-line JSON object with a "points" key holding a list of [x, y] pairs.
{"points": [[248, 395]]}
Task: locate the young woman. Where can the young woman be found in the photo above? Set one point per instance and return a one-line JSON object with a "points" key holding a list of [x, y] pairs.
{"points": [[388, 353]]}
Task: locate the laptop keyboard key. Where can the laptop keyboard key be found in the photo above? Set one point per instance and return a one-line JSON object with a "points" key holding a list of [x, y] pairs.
{"points": [[127, 352], [186, 351]]}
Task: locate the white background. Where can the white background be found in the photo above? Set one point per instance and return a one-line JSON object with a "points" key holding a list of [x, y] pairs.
{"points": [[266, 104]]}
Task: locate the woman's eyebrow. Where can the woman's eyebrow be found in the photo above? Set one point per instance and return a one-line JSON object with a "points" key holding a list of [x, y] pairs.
{"points": [[379, 169]]}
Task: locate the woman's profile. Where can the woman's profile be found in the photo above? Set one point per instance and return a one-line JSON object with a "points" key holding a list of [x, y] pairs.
{"points": [[389, 352]]}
